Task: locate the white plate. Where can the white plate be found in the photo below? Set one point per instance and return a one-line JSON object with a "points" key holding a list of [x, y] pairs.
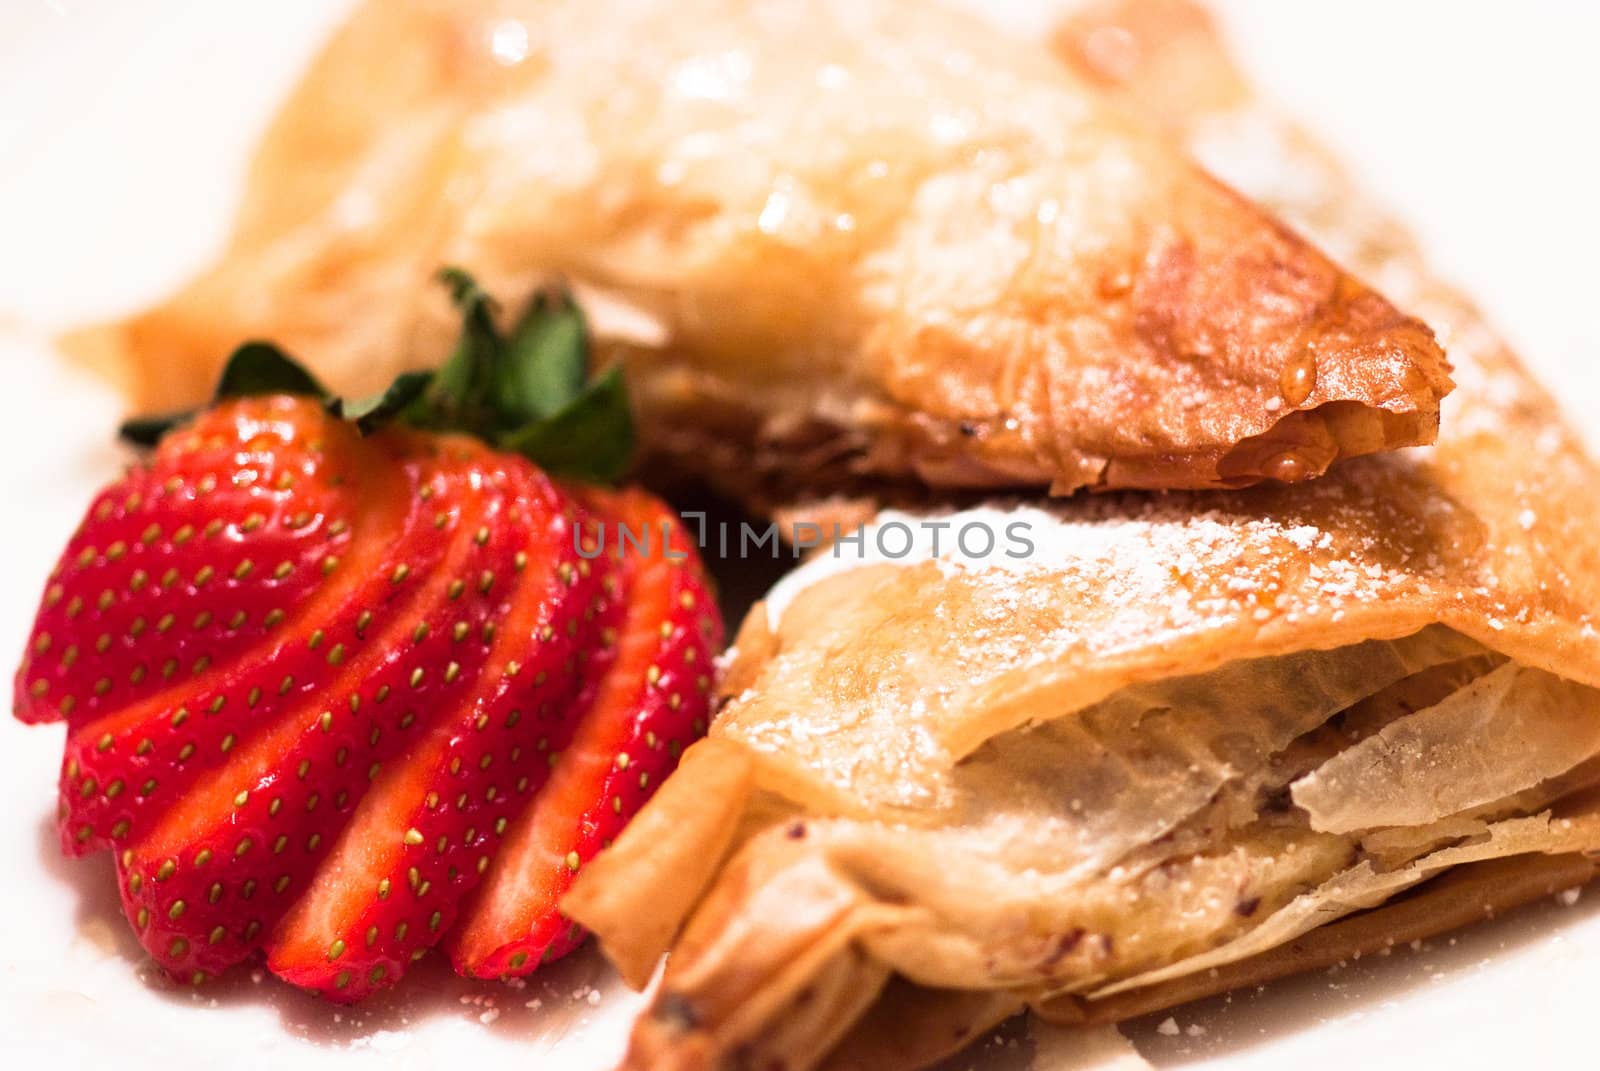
{"points": [[124, 128]]}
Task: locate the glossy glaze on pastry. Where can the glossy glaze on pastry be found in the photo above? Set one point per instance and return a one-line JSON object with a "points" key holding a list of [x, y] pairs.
{"points": [[835, 246]]}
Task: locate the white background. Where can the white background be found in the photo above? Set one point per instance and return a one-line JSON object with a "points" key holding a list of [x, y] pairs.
{"points": [[124, 127]]}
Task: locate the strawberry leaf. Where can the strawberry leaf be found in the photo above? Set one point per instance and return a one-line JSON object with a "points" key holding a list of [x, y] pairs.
{"points": [[372, 413], [146, 431], [542, 370], [254, 368], [464, 388], [262, 368], [590, 439], [525, 392]]}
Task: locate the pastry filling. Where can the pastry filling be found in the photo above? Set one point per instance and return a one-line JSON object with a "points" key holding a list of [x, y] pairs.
{"points": [[1183, 824]]}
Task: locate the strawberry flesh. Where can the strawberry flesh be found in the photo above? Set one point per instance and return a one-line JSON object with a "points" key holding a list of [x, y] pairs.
{"points": [[653, 701], [187, 562], [431, 824], [209, 882], [134, 762]]}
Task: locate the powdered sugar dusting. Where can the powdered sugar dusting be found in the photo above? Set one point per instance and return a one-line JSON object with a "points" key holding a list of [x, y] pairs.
{"points": [[1490, 531]]}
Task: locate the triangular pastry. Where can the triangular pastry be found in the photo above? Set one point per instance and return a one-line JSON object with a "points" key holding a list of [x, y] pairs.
{"points": [[836, 246]]}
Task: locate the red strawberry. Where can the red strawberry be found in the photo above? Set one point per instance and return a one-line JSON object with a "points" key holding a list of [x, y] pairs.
{"points": [[207, 882], [653, 701], [431, 824], [140, 757], [317, 673], [189, 561]]}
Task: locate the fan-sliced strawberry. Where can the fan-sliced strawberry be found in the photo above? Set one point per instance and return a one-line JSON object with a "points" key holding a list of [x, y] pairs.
{"points": [[431, 823], [207, 884], [187, 562], [653, 701], [318, 659]]}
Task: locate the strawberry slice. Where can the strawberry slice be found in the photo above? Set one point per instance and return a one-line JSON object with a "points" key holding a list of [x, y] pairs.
{"points": [[189, 562], [208, 882], [432, 822], [653, 701], [137, 760]]}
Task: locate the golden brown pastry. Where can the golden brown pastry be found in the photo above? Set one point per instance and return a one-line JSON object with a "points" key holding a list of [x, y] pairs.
{"points": [[835, 245], [1181, 744]]}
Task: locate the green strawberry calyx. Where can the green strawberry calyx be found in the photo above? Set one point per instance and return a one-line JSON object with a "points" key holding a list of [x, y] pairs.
{"points": [[526, 390]]}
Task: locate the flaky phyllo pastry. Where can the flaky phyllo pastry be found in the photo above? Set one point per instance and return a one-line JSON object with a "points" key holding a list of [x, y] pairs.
{"points": [[835, 245], [1189, 742]]}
